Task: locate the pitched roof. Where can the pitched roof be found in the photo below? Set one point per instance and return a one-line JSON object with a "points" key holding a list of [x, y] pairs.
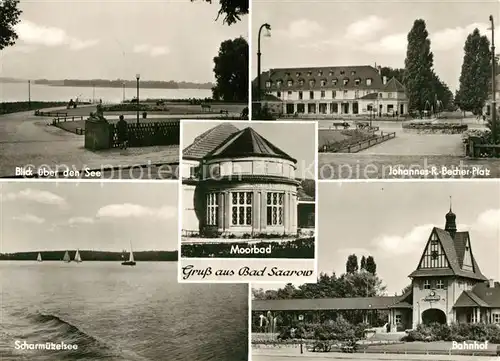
{"points": [[469, 299], [490, 295], [247, 143], [208, 141], [317, 304], [303, 196], [454, 259], [370, 96], [327, 73], [394, 86]]}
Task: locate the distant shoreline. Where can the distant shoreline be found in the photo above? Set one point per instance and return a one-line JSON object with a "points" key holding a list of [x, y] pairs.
{"points": [[101, 83], [90, 256]]}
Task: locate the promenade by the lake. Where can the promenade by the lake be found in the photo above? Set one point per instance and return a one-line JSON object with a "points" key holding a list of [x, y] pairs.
{"points": [[27, 140]]}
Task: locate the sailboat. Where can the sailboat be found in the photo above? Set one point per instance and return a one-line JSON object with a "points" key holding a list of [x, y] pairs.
{"points": [[39, 257], [66, 258], [130, 261], [77, 259]]}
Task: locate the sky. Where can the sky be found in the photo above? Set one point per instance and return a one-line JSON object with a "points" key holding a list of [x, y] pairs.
{"points": [[392, 221], [101, 216], [87, 39], [339, 33], [298, 140]]}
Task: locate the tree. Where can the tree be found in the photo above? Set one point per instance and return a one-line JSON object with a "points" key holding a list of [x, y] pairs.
{"points": [[231, 71], [406, 289], [371, 266], [363, 263], [232, 10], [418, 68], [475, 78], [390, 73], [352, 264], [442, 94], [9, 17]]}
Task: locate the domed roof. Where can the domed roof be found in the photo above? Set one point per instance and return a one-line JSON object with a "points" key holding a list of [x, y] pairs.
{"points": [[248, 143]]}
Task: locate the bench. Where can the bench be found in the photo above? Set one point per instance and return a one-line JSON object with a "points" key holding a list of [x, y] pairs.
{"points": [[206, 107], [344, 125]]}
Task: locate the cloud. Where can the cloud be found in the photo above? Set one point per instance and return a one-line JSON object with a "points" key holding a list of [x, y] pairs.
{"points": [[151, 50], [128, 210], [37, 196], [390, 44], [29, 218], [365, 28], [34, 34], [300, 29], [403, 244], [80, 220]]}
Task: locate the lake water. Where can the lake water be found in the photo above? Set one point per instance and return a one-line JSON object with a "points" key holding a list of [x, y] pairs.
{"points": [[13, 92], [113, 312]]}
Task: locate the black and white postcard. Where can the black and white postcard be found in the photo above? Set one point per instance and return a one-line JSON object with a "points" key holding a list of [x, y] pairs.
{"points": [[411, 272], [400, 89], [96, 89], [248, 200], [88, 271]]}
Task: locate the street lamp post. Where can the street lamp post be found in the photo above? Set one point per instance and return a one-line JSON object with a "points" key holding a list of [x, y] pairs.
{"points": [[493, 84], [29, 94], [137, 77], [259, 85]]}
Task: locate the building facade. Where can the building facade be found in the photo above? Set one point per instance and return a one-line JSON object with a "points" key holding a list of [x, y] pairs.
{"points": [[349, 90], [447, 287], [237, 183]]}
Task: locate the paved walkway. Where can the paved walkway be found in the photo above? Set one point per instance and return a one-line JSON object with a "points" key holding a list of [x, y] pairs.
{"points": [[26, 140]]}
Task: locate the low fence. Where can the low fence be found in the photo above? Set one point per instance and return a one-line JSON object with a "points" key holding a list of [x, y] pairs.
{"points": [[58, 120], [364, 144], [100, 135], [39, 113], [148, 134]]}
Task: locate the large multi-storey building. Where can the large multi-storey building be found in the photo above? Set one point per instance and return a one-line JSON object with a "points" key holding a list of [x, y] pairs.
{"points": [[336, 90]]}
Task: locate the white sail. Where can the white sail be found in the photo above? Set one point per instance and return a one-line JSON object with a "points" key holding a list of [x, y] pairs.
{"points": [[66, 257], [131, 255], [77, 256], [39, 258]]}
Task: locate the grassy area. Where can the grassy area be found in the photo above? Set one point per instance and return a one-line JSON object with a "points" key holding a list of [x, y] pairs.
{"points": [[14, 107], [335, 140]]}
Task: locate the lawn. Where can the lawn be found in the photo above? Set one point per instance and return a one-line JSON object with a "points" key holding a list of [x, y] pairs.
{"points": [[336, 140]]}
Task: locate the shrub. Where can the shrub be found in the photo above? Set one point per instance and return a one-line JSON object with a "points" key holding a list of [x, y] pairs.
{"points": [[455, 332]]}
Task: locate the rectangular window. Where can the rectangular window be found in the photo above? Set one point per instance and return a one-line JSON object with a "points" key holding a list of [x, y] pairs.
{"points": [[300, 95], [241, 208], [496, 318], [440, 284], [212, 207], [398, 319], [311, 95], [427, 285], [322, 94], [334, 94], [275, 208]]}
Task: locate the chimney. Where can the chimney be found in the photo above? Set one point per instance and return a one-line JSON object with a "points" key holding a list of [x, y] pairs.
{"points": [[379, 69], [384, 80], [491, 283]]}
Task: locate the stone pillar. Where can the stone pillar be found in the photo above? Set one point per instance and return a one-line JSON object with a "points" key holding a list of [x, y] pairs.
{"points": [[227, 210], [295, 107]]}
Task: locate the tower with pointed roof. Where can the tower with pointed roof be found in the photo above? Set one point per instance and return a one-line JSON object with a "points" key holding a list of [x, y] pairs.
{"points": [[446, 269], [239, 185]]}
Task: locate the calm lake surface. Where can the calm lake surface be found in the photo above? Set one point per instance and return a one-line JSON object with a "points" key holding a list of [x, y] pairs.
{"points": [[13, 92], [113, 312]]}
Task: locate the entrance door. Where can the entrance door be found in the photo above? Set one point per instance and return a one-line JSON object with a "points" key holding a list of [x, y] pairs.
{"points": [[402, 109], [433, 315]]}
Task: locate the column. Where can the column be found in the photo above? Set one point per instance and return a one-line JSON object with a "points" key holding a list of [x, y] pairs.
{"points": [[220, 210], [227, 210], [263, 211], [295, 107], [256, 211], [479, 315], [286, 203]]}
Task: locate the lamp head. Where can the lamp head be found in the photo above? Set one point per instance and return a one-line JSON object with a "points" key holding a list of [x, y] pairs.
{"points": [[267, 27], [137, 76], [491, 17]]}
